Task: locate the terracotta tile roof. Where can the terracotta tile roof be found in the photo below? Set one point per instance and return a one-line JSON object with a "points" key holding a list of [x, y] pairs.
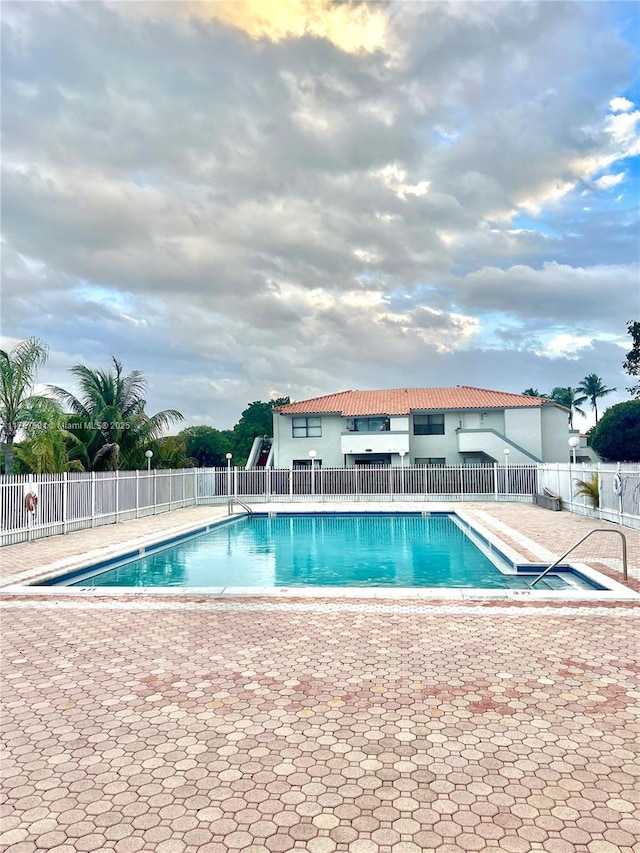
{"points": [[402, 401]]}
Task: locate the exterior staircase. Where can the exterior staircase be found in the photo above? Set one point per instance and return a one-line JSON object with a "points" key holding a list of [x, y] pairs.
{"points": [[260, 454]]}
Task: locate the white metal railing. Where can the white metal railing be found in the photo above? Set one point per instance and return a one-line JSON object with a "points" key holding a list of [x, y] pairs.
{"points": [[74, 501]]}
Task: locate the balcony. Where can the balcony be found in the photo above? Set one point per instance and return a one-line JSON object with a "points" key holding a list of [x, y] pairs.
{"points": [[374, 442]]}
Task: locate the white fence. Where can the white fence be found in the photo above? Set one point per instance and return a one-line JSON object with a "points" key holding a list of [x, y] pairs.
{"points": [[618, 489], [67, 502]]}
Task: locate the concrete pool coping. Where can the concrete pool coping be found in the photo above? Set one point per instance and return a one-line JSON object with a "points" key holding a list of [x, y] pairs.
{"points": [[21, 584]]}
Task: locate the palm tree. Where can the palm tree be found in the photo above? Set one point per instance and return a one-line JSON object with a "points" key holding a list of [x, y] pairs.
{"points": [[533, 392], [52, 451], [590, 490], [48, 446], [593, 388], [18, 371], [571, 399], [109, 415]]}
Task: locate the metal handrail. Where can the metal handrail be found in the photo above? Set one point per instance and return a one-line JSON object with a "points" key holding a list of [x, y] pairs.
{"points": [[579, 542], [243, 505]]}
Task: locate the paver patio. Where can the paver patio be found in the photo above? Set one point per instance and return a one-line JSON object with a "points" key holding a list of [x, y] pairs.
{"points": [[196, 724]]}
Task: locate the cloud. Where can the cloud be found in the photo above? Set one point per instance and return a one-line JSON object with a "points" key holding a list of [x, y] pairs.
{"points": [[242, 197], [565, 345], [623, 128], [607, 182], [395, 179], [596, 297], [350, 27], [620, 105]]}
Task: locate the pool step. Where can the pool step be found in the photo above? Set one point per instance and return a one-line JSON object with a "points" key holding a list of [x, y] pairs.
{"points": [[552, 582]]}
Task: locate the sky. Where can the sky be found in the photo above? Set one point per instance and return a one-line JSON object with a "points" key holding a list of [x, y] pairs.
{"points": [[249, 200]]}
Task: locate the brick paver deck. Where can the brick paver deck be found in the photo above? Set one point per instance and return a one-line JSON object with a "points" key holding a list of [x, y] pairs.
{"points": [[176, 726]]}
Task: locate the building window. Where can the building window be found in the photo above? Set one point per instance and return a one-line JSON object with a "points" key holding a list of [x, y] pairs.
{"points": [[306, 427], [430, 460], [428, 424], [305, 464], [368, 425], [373, 460]]}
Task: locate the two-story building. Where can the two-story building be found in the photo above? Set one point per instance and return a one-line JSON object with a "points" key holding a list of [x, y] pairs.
{"points": [[419, 426]]}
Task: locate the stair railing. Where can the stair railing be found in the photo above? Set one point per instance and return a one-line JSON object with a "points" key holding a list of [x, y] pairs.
{"points": [[579, 542], [236, 501]]}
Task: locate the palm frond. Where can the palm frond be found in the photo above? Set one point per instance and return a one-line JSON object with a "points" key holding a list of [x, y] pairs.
{"points": [[112, 405], [590, 490], [165, 418], [77, 408]]}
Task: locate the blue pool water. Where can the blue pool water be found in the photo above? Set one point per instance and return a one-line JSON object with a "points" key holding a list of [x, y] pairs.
{"points": [[319, 550]]}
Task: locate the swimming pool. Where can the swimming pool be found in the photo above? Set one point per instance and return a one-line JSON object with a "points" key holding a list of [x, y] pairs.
{"points": [[322, 550]]}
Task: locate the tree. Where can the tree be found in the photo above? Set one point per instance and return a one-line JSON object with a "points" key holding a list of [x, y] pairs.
{"points": [[18, 373], [593, 388], [49, 447], [206, 445], [172, 453], [570, 398], [256, 420], [631, 364], [51, 452], [616, 437], [109, 416], [532, 392]]}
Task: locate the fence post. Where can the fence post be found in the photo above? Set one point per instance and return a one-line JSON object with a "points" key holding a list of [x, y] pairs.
{"points": [[93, 498], [195, 486], [137, 499], [30, 515], [117, 496], [170, 472], [65, 498], [495, 480], [155, 491]]}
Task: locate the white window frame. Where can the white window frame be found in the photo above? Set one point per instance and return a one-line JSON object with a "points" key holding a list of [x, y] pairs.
{"points": [[302, 427]]}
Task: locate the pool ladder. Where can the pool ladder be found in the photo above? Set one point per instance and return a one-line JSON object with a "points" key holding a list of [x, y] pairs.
{"points": [[243, 505], [579, 542]]}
